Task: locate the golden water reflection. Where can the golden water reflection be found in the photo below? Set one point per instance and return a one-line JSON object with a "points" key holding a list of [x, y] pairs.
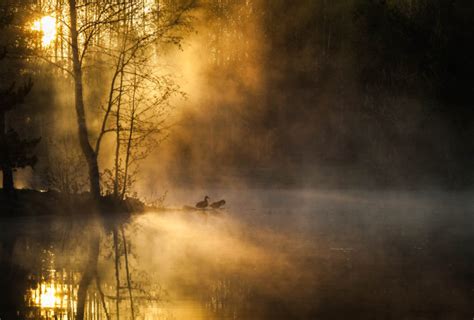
{"points": [[51, 295]]}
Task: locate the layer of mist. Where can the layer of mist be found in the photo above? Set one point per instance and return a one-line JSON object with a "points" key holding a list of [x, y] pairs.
{"points": [[286, 255]]}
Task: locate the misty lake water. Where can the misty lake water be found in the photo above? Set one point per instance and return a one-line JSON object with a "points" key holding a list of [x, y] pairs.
{"points": [[270, 254]]}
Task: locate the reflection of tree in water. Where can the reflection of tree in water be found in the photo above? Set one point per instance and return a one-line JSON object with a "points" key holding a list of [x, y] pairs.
{"points": [[48, 265], [52, 295], [50, 282]]}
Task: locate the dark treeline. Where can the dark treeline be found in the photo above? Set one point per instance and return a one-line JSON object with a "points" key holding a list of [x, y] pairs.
{"points": [[374, 93]]}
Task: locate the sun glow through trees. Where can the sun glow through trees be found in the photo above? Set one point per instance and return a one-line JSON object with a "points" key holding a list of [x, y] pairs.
{"points": [[47, 26]]}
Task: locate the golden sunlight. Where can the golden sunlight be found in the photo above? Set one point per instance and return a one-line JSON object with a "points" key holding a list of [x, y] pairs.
{"points": [[47, 297], [148, 6], [47, 26]]}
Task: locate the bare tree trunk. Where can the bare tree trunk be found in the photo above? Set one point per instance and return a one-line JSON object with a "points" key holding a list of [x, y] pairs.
{"points": [[7, 171], [130, 136], [91, 158], [119, 103], [8, 185], [88, 151], [117, 145]]}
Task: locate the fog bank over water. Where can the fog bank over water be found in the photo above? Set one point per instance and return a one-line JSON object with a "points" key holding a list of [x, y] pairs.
{"points": [[270, 254], [301, 254]]}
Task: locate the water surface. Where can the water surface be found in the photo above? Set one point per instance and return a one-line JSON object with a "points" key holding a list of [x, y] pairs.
{"points": [[279, 254]]}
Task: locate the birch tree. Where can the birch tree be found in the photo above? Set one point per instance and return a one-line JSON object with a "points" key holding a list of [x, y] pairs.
{"points": [[121, 36]]}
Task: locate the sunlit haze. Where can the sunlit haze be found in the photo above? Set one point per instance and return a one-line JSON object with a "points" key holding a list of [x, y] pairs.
{"points": [[47, 27], [236, 159]]}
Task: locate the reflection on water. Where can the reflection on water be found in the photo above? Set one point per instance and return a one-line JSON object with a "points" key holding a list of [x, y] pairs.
{"points": [[51, 297], [55, 297], [52, 293], [299, 257]]}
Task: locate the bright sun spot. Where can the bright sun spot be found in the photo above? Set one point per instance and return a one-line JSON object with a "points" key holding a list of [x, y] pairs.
{"points": [[47, 297], [47, 26]]}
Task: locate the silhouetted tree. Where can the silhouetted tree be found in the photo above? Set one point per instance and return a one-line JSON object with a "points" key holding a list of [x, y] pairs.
{"points": [[103, 34], [15, 152]]}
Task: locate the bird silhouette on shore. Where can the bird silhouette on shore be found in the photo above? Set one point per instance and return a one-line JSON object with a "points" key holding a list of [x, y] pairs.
{"points": [[203, 204], [217, 204]]}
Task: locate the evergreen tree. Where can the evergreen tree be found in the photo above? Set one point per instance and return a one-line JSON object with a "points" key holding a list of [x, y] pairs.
{"points": [[15, 152]]}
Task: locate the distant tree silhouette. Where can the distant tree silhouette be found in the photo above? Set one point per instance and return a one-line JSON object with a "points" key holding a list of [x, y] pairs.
{"points": [[15, 152]]}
